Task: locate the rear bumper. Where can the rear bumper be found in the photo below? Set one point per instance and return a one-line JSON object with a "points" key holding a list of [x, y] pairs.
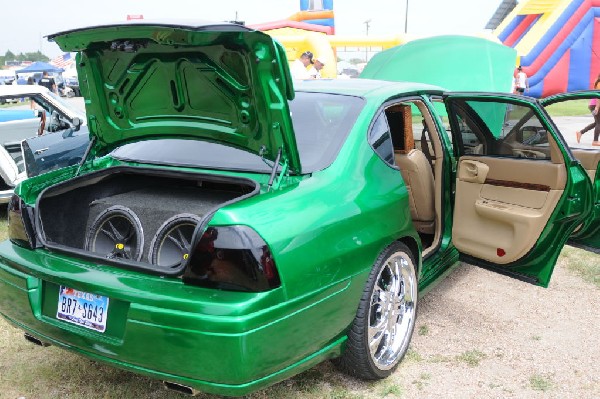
{"points": [[228, 348], [5, 196]]}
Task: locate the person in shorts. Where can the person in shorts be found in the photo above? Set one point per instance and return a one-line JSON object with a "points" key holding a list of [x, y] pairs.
{"points": [[521, 81]]}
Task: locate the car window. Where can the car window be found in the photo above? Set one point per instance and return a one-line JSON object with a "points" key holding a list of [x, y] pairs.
{"points": [[498, 128], [321, 124], [381, 140], [576, 120]]}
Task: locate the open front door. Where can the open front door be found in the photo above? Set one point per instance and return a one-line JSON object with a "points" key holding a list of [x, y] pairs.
{"points": [[572, 114], [519, 192]]}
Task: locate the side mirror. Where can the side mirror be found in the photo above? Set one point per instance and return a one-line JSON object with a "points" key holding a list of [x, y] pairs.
{"points": [[76, 123]]}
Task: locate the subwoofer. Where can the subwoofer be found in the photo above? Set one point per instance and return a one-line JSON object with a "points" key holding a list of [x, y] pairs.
{"points": [[116, 233], [171, 244]]}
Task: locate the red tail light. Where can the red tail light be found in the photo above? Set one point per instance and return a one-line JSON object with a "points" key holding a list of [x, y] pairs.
{"points": [[20, 226], [232, 258]]}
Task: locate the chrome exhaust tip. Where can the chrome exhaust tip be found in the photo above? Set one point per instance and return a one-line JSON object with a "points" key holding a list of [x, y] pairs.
{"points": [[173, 386], [35, 340]]}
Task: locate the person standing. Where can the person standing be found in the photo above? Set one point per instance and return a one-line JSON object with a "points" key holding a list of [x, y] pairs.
{"points": [[315, 71], [298, 67], [521, 81], [48, 82], [594, 107]]}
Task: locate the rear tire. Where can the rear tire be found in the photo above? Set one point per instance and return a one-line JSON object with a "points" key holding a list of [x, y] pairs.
{"points": [[382, 329]]}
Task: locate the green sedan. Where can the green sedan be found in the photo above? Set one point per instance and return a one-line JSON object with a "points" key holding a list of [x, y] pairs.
{"points": [[228, 228]]}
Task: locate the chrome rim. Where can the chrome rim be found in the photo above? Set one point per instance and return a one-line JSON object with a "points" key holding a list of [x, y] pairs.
{"points": [[392, 310]]}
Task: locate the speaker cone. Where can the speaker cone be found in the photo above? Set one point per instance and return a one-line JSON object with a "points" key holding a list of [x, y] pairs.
{"points": [[116, 233], [171, 243]]}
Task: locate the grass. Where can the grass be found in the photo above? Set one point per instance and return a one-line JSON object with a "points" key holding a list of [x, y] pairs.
{"points": [[423, 330], [538, 382], [472, 358], [569, 108], [582, 263]]}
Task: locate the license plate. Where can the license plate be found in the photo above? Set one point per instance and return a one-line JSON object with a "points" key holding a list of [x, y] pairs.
{"points": [[82, 308]]}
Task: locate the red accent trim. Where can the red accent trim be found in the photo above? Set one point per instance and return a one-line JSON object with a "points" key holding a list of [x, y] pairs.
{"points": [[328, 30], [595, 63], [500, 252], [518, 31], [557, 80]]}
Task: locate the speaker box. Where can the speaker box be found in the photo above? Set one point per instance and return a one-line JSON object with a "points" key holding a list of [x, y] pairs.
{"points": [[171, 243], [159, 214]]}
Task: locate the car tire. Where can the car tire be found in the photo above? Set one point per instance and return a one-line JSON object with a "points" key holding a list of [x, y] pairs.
{"points": [[381, 332]]}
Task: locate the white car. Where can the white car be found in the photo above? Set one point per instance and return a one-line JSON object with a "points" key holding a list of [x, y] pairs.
{"points": [[28, 111]]}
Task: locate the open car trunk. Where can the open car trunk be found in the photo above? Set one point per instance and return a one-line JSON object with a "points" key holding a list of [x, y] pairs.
{"points": [[134, 218]]}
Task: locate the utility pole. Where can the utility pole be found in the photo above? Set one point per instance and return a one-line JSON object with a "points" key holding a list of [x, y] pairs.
{"points": [[406, 19], [367, 25]]}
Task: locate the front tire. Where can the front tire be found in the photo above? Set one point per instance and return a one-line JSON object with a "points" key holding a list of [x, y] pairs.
{"points": [[382, 329]]}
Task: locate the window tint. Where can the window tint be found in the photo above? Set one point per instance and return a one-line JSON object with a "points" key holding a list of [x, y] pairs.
{"points": [[500, 129], [380, 139], [321, 124]]}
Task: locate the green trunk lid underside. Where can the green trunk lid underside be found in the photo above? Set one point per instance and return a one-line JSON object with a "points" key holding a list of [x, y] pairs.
{"points": [[220, 83]]}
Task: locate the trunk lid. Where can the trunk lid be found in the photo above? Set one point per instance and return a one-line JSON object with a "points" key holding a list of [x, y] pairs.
{"points": [[222, 83]]}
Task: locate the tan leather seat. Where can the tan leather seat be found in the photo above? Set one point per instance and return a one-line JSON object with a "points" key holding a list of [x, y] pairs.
{"points": [[415, 169]]}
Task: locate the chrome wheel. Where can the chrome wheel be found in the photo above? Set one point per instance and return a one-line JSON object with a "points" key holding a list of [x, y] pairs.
{"points": [[392, 311], [385, 319]]}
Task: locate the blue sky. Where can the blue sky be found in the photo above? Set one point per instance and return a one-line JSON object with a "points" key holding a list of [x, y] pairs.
{"points": [[22, 30]]}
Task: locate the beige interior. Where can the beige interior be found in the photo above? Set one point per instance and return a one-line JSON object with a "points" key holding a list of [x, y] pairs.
{"points": [[416, 172], [502, 205], [589, 160], [419, 158]]}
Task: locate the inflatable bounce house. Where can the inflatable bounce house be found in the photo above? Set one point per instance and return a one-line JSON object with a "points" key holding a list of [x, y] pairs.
{"points": [[313, 29], [558, 42]]}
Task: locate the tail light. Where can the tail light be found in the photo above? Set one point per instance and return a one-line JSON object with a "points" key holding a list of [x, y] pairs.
{"points": [[20, 226], [232, 258]]}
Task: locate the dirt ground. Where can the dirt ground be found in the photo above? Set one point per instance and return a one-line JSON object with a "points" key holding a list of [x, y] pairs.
{"points": [[483, 335], [478, 335]]}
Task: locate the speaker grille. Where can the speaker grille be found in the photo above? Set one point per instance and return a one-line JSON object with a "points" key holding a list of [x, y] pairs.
{"points": [[116, 233], [171, 244]]}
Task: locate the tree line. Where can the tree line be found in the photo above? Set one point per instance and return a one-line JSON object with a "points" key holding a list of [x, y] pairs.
{"points": [[34, 56]]}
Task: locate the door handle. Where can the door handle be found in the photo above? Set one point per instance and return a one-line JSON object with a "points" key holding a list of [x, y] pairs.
{"points": [[41, 150]]}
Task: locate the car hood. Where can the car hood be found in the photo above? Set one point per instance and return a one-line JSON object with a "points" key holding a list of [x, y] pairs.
{"points": [[222, 83]]}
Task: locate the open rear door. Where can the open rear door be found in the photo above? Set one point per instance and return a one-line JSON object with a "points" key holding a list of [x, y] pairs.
{"points": [[572, 113], [519, 191]]}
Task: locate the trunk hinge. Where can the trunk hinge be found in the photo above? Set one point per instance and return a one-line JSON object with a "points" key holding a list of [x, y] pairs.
{"points": [[86, 154], [275, 179]]}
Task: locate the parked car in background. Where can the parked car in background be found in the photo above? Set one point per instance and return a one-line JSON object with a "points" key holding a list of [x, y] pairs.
{"points": [[73, 83], [38, 132], [247, 228]]}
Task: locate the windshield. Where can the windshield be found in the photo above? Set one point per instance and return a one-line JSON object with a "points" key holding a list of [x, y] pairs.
{"points": [[321, 124]]}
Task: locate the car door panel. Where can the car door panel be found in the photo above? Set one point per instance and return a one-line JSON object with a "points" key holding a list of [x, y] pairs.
{"points": [[517, 200], [590, 160], [570, 112], [502, 215], [587, 235]]}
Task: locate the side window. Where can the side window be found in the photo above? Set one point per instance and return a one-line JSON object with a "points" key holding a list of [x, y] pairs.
{"points": [[496, 128], [440, 108], [380, 139]]}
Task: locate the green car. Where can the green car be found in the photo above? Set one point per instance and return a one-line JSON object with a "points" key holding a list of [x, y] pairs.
{"points": [[229, 228]]}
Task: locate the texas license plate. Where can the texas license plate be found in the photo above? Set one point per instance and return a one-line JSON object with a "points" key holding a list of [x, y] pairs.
{"points": [[82, 308]]}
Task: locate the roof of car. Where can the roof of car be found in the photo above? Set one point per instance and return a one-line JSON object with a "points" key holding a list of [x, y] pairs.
{"points": [[17, 90], [362, 87]]}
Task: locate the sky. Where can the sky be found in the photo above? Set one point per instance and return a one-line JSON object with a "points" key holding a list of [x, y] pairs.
{"points": [[23, 31]]}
